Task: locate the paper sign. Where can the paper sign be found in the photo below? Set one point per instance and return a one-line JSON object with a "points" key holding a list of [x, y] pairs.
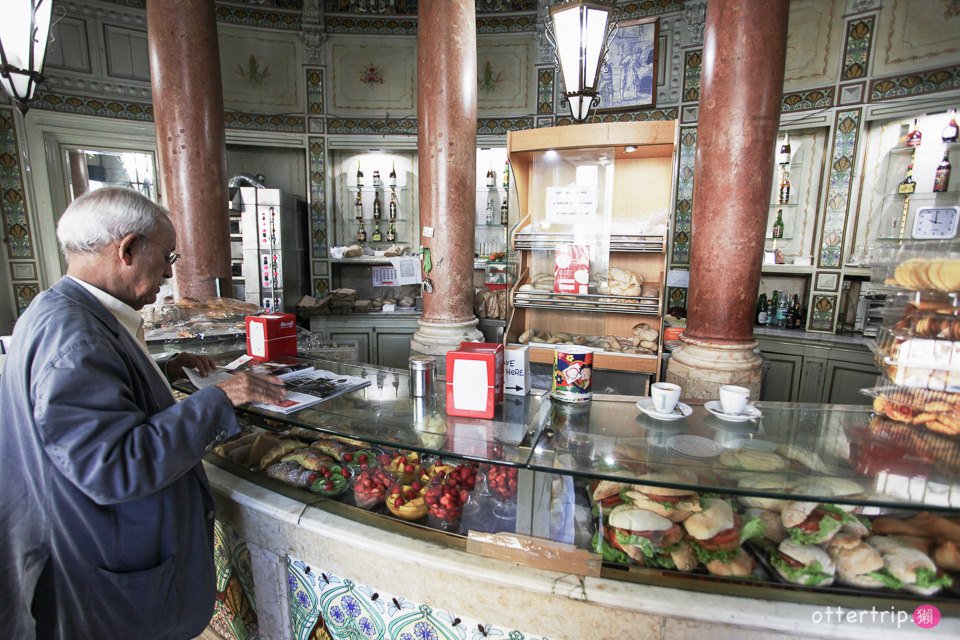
{"points": [[678, 278], [571, 204], [572, 268], [516, 370], [407, 270], [384, 276], [428, 232]]}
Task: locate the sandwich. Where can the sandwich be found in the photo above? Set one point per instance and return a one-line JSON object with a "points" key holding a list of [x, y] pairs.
{"points": [[771, 482], [771, 527], [675, 504], [858, 564], [606, 496], [910, 566], [751, 460], [715, 536], [804, 564], [814, 522], [642, 536]]}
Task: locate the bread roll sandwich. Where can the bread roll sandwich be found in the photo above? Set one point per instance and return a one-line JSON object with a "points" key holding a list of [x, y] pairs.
{"points": [[858, 564], [715, 536], [640, 535], [910, 566], [770, 525], [804, 564], [771, 482], [815, 522], [674, 503], [606, 495]]}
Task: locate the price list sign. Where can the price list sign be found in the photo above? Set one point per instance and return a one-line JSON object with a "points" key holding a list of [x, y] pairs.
{"points": [[569, 205]]}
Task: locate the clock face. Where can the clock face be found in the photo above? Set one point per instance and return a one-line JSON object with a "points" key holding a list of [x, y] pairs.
{"points": [[936, 222]]}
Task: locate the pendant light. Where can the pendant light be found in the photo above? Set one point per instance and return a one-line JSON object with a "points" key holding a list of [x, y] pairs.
{"points": [[24, 31]]}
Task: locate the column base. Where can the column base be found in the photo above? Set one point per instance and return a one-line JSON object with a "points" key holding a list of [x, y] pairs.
{"points": [[436, 338], [700, 368]]}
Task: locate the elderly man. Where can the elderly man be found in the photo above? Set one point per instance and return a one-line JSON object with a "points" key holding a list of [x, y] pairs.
{"points": [[105, 511]]}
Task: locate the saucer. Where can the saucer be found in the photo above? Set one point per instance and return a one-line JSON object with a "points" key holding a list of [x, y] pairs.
{"points": [[680, 411], [695, 447], [750, 412]]}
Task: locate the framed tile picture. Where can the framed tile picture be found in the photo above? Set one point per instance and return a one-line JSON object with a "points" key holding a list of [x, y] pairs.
{"points": [[628, 77]]}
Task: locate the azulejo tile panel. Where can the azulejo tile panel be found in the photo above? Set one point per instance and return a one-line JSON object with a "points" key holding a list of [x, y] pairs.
{"points": [[24, 293], [692, 65], [488, 126], [511, 24], [683, 213], [842, 157], [810, 99], [631, 10], [261, 122], [645, 115], [372, 126], [380, 26], [324, 603], [856, 56], [13, 210], [255, 17], [234, 612], [823, 312], [318, 198], [915, 84], [546, 81], [315, 92], [93, 107]]}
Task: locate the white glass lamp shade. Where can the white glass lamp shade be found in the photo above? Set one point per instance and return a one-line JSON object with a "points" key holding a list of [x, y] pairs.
{"points": [[24, 31], [580, 31]]}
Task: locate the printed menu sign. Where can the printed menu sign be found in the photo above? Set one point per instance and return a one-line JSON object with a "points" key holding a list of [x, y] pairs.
{"points": [[571, 204], [571, 268]]}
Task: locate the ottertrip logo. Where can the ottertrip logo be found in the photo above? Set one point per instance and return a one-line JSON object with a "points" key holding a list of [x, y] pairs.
{"points": [[926, 616]]}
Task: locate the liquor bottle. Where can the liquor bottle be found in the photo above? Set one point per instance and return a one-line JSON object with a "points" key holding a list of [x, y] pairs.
{"points": [[777, 231], [377, 236], [376, 206], [489, 212], [376, 178], [914, 137], [771, 309], [491, 179], [392, 233], [504, 213], [506, 176], [789, 317], [359, 176], [393, 175], [361, 234], [393, 206], [761, 317], [942, 177], [785, 188], [797, 313], [950, 131], [783, 156], [358, 207], [907, 185], [782, 307]]}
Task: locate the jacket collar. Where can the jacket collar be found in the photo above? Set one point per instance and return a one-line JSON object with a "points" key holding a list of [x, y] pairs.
{"points": [[71, 290]]}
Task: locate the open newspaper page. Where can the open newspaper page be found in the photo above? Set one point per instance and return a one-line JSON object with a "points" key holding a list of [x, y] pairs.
{"points": [[308, 387]]}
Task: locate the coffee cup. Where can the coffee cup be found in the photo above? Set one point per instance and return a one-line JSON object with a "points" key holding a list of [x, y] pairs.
{"points": [[665, 396], [733, 399]]}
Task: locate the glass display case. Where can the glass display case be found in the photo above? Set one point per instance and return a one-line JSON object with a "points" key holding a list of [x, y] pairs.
{"points": [[555, 472], [587, 240]]}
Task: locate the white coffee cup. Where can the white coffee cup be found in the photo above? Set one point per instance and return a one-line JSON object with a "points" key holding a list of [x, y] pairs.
{"points": [[665, 396], [733, 399]]}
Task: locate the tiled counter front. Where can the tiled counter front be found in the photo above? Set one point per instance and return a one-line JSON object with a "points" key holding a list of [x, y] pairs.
{"points": [[312, 575]]}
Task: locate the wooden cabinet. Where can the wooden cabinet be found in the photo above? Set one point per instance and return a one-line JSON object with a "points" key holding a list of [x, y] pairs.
{"points": [[384, 339], [592, 199]]}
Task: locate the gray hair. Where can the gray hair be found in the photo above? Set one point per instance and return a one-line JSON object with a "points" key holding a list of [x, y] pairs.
{"points": [[100, 217]]}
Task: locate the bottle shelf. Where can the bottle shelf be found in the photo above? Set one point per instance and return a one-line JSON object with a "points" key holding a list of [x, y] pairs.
{"points": [[618, 243]]}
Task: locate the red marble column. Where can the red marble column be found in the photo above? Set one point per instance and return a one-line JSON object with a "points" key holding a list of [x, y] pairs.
{"points": [[188, 114], [447, 148], [741, 84]]}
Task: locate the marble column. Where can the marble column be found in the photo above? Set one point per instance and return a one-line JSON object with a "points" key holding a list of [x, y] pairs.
{"points": [[744, 50], [79, 175], [447, 148], [188, 114]]}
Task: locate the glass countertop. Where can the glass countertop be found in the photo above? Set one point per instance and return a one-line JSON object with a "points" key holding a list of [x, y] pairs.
{"points": [[828, 451]]}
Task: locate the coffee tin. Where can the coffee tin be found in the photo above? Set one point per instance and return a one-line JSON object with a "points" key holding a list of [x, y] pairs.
{"points": [[572, 374]]}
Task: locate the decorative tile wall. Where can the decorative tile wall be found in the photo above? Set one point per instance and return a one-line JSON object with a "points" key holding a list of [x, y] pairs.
{"points": [[915, 84], [261, 122], [631, 10], [823, 314], [315, 92], [402, 126], [323, 605], [692, 63], [857, 54], [842, 157], [235, 609], [546, 82], [682, 213], [256, 17], [14, 219], [804, 100], [93, 106], [318, 198]]}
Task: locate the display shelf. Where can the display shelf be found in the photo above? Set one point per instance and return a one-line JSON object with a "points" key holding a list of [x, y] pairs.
{"points": [[787, 269], [597, 303], [624, 243]]}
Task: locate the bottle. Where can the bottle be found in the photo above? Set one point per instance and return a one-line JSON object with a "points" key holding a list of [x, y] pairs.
{"points": [[393, 206], [506, 176], [489, 212], [392, 233], [949, 133], [504, 213], [377, 236], [761, 318], [782, 310], [358, 207], [359, 176], [785, 188], [376, 178], [361, 234], [942, 177], [491, 179], [777, 231], [789, 317], [797, 313], [907, 185], [376, 206], [783, 156], [771, 309], [914, 137], [393, 175]]}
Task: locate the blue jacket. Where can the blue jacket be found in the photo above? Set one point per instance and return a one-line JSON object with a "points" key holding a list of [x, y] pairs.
{"points": [[106, 517]]}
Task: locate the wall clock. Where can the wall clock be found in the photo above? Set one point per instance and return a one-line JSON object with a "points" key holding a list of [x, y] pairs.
{"points": [[935, 223]]}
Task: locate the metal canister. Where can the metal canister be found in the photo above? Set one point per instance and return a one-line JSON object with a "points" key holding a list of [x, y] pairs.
{"points": [[572, 373], [422, 373]]}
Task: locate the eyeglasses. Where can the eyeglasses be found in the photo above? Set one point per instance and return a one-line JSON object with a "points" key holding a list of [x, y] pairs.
{"points": [[170, 258]]}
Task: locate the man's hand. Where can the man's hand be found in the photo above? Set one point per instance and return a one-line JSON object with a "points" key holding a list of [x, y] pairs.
{"points": [[176, 365], [252, 387]]}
